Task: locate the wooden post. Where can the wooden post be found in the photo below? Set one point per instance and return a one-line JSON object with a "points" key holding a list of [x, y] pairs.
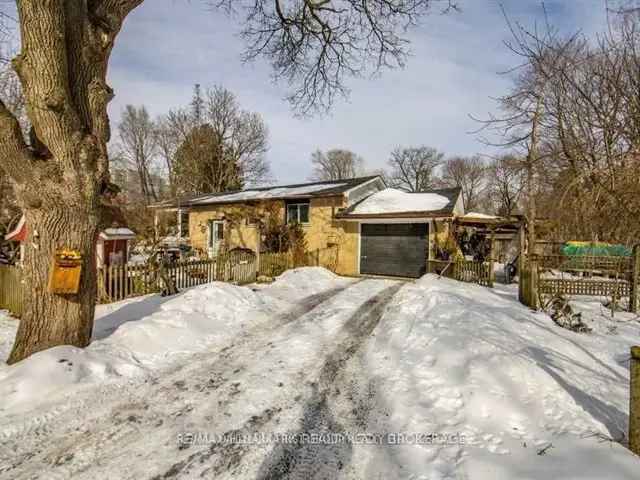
{"points": [[492, 258], [634, 295], [522, 280], [634, 402], [318, 257], [533, 281]]}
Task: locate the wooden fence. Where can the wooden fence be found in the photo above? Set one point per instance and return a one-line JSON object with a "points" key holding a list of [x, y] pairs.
{"points": [[11, 289], [118, 282], [273, 264], [464, 271], [585, 277], [608, 288], [588, 265]]}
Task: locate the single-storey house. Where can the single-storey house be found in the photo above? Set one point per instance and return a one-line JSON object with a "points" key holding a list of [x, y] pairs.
{"points": [[377, 230]]}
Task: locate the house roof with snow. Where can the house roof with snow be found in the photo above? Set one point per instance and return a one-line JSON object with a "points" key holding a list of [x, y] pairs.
{"points": [[280, 192], [393, 203]]}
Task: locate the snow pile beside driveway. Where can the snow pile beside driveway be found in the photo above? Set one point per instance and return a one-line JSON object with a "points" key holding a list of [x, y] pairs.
{"points": [[305, 282], [140, 335], [530, 399], [449, 380]]}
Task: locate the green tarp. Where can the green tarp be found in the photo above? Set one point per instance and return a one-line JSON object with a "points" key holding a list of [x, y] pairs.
{"points": [[581, 249]]}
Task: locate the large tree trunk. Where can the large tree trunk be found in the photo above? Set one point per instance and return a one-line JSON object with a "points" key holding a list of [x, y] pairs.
{"points": [[62, 176], [49, 319]]}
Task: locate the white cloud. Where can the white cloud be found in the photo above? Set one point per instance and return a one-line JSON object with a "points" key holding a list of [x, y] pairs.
{"points": [[167, 46]]}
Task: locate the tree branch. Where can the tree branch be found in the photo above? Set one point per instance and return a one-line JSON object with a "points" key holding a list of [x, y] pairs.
{"points": [[15, 155]]}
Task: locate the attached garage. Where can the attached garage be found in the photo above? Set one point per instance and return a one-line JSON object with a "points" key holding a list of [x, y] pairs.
{"points": [[394, 249]]}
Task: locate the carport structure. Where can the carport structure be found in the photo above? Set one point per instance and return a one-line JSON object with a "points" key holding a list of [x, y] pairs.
{"points": [[499, 234]]}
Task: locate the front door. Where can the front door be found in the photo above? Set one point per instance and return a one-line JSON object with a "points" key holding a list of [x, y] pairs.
{"points": [[216, 237]]}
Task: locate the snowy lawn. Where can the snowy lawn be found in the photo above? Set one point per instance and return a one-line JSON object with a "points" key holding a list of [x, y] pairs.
{"points": [[449, 380]]}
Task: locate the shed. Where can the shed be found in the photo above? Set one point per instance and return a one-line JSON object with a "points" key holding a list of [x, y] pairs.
{"points": [[113, 246]]}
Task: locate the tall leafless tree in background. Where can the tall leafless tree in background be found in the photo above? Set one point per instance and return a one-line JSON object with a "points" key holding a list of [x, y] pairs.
{"points": [[468, 173], [221, 147], [336, 164], [167, 139], [583, 96], [505, 184], [62, 174], [414, 168], [138, 143]]}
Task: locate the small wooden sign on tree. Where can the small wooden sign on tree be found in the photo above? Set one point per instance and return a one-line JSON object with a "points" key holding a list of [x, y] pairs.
{"points": [[64, 276]]}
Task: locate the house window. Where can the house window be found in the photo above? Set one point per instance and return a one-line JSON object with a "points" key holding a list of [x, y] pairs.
{"points": [[183, 230], [298, 213]]}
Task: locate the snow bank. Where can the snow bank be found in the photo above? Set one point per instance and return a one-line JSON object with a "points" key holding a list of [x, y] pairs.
{"points": [[8, 328], [134, 337], [308, 280], [299, 283], [391, 200], [50, 373], [471, 363]]}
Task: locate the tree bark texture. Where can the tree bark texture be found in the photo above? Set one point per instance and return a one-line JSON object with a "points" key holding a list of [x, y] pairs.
{"points": [[48, 319], [62, 176]]}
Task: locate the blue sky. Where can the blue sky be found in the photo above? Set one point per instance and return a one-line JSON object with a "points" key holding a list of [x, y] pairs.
{"points": [[166, 46]]}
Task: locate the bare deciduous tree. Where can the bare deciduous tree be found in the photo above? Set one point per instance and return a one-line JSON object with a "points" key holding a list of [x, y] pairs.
{"points": [[138, 143], [574, 108], [62, 173], [414, 168], [336, 164], [505, 184], [223, 147], [468, 173], [314, 45], [167, 139]]}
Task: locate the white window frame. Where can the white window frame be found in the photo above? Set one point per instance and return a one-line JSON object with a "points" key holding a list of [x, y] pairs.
{"points": [[213, 244]]}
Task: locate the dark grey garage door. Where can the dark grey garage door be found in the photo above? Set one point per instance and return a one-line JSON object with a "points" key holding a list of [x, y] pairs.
{"points": [[396, 249]]}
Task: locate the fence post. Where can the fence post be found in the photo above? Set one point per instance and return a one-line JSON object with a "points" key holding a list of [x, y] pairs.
{"points": [[317, 257], [634, 401], [634, 295], [492, 258], [522, 280], [533, 281], [258, 256]]}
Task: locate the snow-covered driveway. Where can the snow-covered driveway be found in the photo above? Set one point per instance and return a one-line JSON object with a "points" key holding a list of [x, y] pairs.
{"points": [[266, 379], [322, 377]]}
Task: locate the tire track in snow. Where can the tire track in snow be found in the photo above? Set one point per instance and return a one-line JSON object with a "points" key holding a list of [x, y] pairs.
{"points": [[307, 461], [39, 424], [124, 422], [227, 459]]}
